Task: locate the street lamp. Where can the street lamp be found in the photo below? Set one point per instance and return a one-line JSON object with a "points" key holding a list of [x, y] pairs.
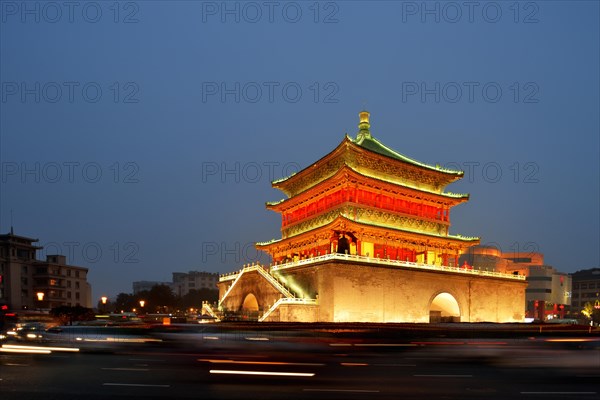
{"points": [[142, 303], [103, 299], [40, 296]]}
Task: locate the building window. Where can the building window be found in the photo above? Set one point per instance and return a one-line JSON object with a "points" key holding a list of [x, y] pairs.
{"points": [[584, 286], [68, 272], [76, 285], [68, 283], [539, 278], [23, 269], [76, 274], [538, 290], [76, 295]]}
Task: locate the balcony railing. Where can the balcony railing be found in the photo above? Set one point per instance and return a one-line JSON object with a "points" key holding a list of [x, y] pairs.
{"points": [[381, 261]]}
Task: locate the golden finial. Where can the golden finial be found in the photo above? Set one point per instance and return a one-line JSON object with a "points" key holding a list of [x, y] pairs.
{"points": [[364, 125]]}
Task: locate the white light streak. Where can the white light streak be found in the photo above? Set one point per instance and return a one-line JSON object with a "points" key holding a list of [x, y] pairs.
{"points": [[266, 373], [41, 348], [220, 361], [24, 351]]}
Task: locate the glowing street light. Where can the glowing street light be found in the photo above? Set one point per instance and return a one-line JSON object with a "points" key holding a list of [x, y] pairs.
{"points": [[40, 296], [142, 303], [103, 300]]}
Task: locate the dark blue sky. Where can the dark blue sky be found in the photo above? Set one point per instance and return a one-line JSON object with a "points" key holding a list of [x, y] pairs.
{"points": [[139, 138]]}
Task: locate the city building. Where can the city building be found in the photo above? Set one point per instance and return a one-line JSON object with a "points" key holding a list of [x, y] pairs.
{"points": [[365, 238], [548, 294], [184, 282], [586, 289], [28, 283]]}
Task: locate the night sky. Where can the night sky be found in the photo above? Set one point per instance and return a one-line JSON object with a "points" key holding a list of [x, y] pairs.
{"points": [[140, 138]]}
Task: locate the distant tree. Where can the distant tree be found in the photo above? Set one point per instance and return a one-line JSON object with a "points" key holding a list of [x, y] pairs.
{"points": [[195, 297], [159, 298], [125, 302], [590, 312]]}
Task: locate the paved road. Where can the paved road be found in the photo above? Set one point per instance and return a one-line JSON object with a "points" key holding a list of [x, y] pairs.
{"points": [[255, 369]]}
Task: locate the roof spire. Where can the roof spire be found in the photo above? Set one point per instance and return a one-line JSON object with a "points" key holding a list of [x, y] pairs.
{"points": [[364, 125]]}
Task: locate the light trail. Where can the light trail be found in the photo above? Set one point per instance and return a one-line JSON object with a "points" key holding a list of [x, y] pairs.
{"points": [[265, 373], [24, 351], [221, 361], [16, 346]]}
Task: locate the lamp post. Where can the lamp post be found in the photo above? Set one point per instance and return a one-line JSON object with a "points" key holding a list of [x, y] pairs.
{"points": [[103, 299], [40, 297]]}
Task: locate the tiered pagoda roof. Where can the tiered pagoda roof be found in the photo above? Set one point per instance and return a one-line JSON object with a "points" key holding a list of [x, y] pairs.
{"points": [[327, 195]]}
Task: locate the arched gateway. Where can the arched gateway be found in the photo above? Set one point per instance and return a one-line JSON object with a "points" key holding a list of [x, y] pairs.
{"points": [[444, 308], [250, 303]]}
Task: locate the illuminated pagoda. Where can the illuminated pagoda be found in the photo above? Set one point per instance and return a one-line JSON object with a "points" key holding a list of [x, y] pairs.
{"points": [[365, 237], [365, 199]]}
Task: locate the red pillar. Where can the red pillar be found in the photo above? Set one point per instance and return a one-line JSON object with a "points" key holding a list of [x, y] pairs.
{"points": [[445, 259]]}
